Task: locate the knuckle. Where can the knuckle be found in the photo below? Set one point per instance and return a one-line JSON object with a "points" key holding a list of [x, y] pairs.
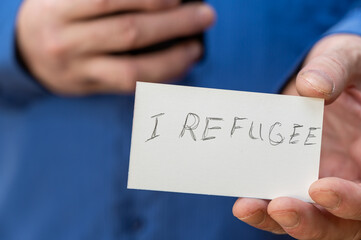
{"points": [[54, 46], [130, 32], [335, 59], [93, 72], [352, 49]]}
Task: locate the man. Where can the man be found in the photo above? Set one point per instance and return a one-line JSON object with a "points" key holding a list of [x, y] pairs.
{"points": [[66, 111]]}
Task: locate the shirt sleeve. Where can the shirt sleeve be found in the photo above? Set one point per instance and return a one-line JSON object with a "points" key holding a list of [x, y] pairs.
{"points": [[350, 24], [15, 83]]}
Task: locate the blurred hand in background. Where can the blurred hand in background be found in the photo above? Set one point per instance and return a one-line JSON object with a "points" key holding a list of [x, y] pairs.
{"points": [[67, 45]]}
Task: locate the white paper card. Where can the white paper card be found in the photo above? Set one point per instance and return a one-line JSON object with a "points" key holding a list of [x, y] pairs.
{"points": [[221, 142]]}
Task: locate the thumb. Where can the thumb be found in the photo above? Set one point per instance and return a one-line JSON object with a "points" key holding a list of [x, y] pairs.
{"points": [[332, 65]]}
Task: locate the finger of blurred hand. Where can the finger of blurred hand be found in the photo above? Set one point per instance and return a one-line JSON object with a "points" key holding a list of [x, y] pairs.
{"points": [[303, 220], [131, 31], [331, 66], [77, 9], [355, 151], [111, 74], [254, 213], [340, 197]]}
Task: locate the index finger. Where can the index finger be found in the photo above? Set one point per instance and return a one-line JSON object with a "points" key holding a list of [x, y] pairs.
{"points": [[303, 220], [254, 213], [340, 197], [79, 9]]}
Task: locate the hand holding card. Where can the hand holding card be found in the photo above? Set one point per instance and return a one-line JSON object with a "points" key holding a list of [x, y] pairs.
{"points": [[332, 73], [228, 143]]}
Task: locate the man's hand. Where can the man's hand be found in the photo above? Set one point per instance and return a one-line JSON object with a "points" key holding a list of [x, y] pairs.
{"points": [[67, 44], [332, 71]]}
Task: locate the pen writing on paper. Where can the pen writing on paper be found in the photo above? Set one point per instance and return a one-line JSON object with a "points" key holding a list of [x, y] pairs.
{"points": [[261, 132]]}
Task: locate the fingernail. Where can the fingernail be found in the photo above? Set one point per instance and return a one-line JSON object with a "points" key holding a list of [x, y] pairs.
{"points": [[194, 51], [319, 81], [255, 218], [286, 219], [206, 15], [327, 199]]}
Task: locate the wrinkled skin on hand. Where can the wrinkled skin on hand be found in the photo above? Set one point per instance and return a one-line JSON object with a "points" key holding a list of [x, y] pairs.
{"points": [[331, 71]]}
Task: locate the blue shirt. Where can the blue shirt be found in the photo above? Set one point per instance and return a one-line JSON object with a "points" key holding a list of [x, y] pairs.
{"points": [[64, 161]]}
